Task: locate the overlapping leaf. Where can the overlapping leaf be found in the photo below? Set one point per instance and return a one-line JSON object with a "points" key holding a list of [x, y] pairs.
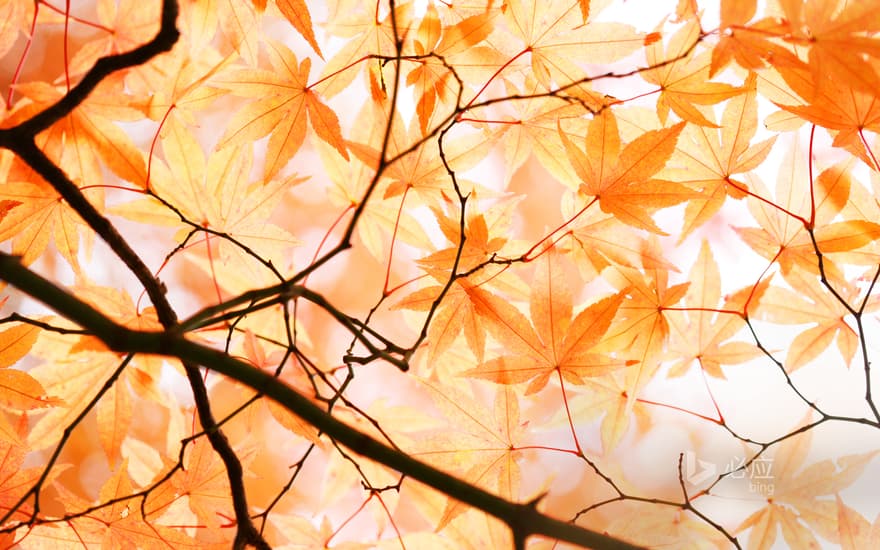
{"points": [[711, 161], [621, 178], [282, 103], [795, 505], [684, 83], [556, 344], [704, 336]]}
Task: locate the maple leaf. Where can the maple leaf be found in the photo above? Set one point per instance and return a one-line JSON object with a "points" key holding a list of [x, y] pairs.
{"points": [[556, 343], [120, 524], [134, 22], [837, 44], [839, 106], [215, 193], [685, 83], [656, 527], [600, 240], [39, 216], [643, 327], [605, 397], [423, 170], [189, 92], [457, 312], [531, 128], [478, 246], [482, 444], [364, 31], [712, 162], [621, 179], [703, 337], [283, 101], [554, 35], [203, 481], [434, 84], [341, 477], [380, 218], [255, 353], [794, 501], [810, 304], [79, 143], [78, 366], [783, 236], [750, 45]]}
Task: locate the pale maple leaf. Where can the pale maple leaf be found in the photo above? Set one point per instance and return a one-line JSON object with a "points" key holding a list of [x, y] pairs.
{"points": [[794, 494], [704, 336]]}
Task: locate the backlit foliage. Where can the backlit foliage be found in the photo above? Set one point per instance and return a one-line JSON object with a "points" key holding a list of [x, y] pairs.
{"points": [[421, 275]]}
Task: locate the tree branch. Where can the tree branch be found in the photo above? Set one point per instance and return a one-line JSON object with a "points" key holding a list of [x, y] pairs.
{"points": [[522, 518], [21, 140]]}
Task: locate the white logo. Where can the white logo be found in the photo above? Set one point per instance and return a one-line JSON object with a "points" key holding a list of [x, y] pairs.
{"points": [[694, 476]]}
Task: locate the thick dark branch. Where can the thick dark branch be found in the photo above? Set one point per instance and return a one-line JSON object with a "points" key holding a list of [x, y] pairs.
{"points": [[21, 140], [525, 518], [104, 67]]}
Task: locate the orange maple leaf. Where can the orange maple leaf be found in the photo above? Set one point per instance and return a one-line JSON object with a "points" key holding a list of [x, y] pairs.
{"points": [[533, 129], [783, 236], [40, 216], [621, 180], [703, 337], [684, 83], [664, 527], [600, 240], [750, 45], [134, 23], [283, 101], [479, 244], [713, 160], [842, 108], [643, 327], [809, 303], [555, 36], [216, 193], [489, 438], [120, 525], [838, 47], [363, 31], [78, 366], [203, 480], [555, 343], [432, 80], [605, 397]]}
